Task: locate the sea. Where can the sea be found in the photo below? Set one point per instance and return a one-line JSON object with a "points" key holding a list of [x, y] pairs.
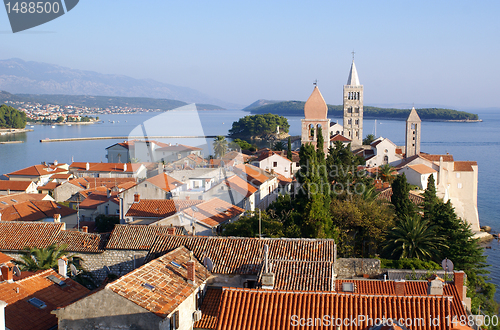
{"points": [[475, 141]]}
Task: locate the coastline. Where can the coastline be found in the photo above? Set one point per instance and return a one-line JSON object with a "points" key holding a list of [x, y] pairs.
{"points": [[63, 124], [9, 131]]}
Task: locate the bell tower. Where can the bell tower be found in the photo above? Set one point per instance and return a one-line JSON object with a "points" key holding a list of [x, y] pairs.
{"points": [[413, 132], [315, 113], [353, 107]]}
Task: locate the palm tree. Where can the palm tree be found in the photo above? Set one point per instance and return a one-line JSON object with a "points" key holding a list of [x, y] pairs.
{"points": [[368, 139], [33, 259], [220, 146], [278, 146], [387, 173], [414, 237]]}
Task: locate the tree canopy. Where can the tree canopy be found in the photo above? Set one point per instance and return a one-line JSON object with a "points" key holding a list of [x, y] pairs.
{"points": [[259, 125], [11, 117]]}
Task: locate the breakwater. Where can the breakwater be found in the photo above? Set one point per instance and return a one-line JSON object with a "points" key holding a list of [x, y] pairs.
{"points": [[10, 142], [129, 138]]}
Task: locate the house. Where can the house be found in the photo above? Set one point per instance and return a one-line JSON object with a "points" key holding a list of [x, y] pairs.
{"points": [[339, 137], [204, 218], [170, 152], [266, 183], [418, 174], [9, 200], [163, 294], [336, 129], [8, 187], [161, 186], [274, 162], [236, 191], [456, 181], [46, 211], [99, 201], [48, 188], [382, 151], [65, 190], [108, 170], [39, 174], [30, 300], [139, 150], [150, 211]]}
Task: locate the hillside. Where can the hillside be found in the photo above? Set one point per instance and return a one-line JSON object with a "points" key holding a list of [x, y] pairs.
{"points": [[259, 103], [28, 77], [101, 101], [296, 108]]}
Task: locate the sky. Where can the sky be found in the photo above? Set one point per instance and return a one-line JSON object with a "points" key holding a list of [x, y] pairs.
{"points": [[442, 53]]}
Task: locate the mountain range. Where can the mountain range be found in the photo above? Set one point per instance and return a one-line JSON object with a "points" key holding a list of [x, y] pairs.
{"points": [[28, 77]]}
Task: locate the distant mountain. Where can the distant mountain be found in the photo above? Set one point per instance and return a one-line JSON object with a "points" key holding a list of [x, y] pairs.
{"points": [[296, 108], [18, 76], [259, 103], [102, 101]]}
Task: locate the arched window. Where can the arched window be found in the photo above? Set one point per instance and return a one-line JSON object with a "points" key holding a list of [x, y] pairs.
{"points": [[386, 159], [356, 110], [349, 122], [349, 110], [358, 95], [311, 131], [413, 126], [357, 121]]}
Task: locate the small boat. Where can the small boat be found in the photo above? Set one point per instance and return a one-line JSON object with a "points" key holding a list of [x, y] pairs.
{"points": [[53, 126], [32, 126], [69, 125]]}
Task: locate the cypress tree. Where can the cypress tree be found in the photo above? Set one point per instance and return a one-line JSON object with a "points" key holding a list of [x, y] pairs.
{"points": [[289, 150], [430, 198], [400, 198]]}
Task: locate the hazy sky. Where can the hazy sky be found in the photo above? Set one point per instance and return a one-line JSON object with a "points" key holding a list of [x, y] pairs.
{"points": [[423, 52]]}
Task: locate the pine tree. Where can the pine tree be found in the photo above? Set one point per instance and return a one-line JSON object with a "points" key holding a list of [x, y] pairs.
{"points": [[400, 198]]}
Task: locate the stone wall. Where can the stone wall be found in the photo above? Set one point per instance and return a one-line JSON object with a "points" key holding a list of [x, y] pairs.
{"points": [[355, 267]]}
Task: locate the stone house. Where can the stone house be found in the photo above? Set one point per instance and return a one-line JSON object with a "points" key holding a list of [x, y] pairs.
{"points": [[234, 190], [40, 174], [382, 151], [39, 210], [275, 163], [108, 170], [418, 174], [8, 187], [266, 183], [163, 294]]}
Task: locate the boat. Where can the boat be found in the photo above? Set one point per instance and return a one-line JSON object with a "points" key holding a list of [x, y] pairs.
{"points": [[53, 126]]}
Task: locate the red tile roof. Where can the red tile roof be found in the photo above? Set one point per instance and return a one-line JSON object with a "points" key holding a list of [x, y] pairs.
{"points": [[215, 211], [255, 175], [38, 170], [97, 197], [422, 169], [110, 183], [283, 180], [170, 283], [339, 137], [209, 309], [165, 182], [49, 186], [436, 158], [35, 211], [178, 147], [8, 200], [136, 237], [20, 314], [18, 235], [105, 167], [78, 241], [61, 176], [159, 208], [464, 166], [241, 186], [14, 186], [131, 143], [274, 309], [243, 255], [4, 258]]}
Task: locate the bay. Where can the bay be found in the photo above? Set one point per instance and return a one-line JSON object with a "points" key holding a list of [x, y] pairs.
{"points": [[465, 141]]}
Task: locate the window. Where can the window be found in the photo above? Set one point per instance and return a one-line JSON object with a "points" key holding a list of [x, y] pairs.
{"points": [[459, 185], [458, 175], [356, 110], [357, 121], [174, 320], [349, 122], [386, 159], [275, 164]]}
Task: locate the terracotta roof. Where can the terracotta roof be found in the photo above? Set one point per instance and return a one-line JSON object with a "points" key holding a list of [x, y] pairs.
{"points": [[103, 182], [49, 186], [18, 235], [209, 309], [464, 166], [131, 143], [315, 106], [38, 170], [301, 275], [283, 180], [78, 241], [13, 185], [339, 137], [159, 208], [232, 155], [267, 154], [136, 237], [243, 255], [8, 200], [435, 158], [375, 143], [96, 198], [241, 186], [4, 258], [422, 169], [386, 195], [35, 211], [105, 167], [61, 176], [254, 174], [215, 211], [171, 287], [21, 314], [273, 309], [178, 147], [165, 182]]}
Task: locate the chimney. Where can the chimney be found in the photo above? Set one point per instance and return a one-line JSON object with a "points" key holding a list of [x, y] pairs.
{"points": [[171, 230], [187, 197], [63, 266], [8, 191], [400, 288], [160, 168], [2, 314], [125, 167], [435, 287], [55, 164], [87, 166], [85, 229], [267, 280], [137, 198], [191, 272], [57, 218], [0, 216], [459, 279], [8, 272], [108, 193]]}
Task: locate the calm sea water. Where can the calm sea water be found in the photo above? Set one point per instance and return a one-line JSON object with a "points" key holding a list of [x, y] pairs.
{"points": [[465, 141]]}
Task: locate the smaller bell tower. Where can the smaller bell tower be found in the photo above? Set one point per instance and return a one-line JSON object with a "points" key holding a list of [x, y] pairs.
{"points": [[413, 132]]}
